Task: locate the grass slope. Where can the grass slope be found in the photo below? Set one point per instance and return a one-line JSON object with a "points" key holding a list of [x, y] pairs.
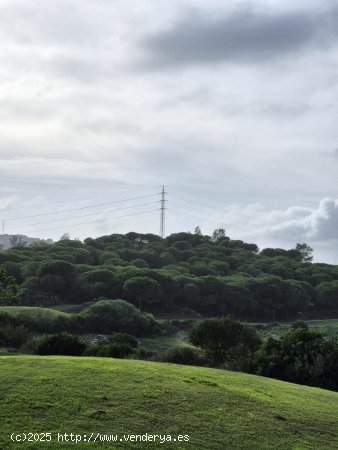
{"points": [[217, 409], [33, 311]]}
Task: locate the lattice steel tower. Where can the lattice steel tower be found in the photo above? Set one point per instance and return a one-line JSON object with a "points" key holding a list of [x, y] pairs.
{"points": [[162, 213]]}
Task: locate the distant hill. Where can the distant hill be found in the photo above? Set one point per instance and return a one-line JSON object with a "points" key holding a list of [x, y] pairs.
{"points": [[14, 240], [184, 273], [217, 409]]}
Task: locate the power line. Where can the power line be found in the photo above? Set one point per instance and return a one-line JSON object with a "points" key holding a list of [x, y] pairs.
{"points": [[188, 207], [196, 195], [99, 220], [76, 199], [202, 212], [81, 208], [83, 215], [203, 205], [212, 206]]}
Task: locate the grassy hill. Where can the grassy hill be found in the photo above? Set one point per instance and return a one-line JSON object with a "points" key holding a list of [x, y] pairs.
{"points": [[217, 409], [33, 311]]}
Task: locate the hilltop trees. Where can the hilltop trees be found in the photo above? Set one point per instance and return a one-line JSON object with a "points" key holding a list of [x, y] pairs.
{"points": [[305, 252], [218, 234], [213, 275]]}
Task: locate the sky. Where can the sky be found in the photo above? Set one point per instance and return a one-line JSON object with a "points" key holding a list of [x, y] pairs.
{"points": [[230, 105]]}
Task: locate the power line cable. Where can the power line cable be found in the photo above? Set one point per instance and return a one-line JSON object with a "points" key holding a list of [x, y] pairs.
{"points": [[77, 199], [240, 215], [196, 195], [191, 208], [202, 205], [83, 215], [99, 220], [180, 205], [80, 208]]}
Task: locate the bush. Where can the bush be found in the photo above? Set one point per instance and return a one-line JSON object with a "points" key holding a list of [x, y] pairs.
{"points": [[118, 345], [300, 356], [300, 324], [60, 344], [107, 316], [123, 338], [13, 336], [226, 342], [184, 355], [144, 354], [115, 350]]}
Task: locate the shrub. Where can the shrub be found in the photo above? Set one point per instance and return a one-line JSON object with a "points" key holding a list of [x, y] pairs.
{"points": [[13, 336], [225, 341], [114, 350], [60, 344], [300, 324], [300, 356], [123, 338], [107, 316], [184, 355]]}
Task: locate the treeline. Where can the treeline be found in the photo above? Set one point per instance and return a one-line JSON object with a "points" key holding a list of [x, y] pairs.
{"points": [[212, 275]]}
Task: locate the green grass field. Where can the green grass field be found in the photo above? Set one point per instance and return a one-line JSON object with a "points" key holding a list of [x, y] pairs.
{"points": [[217, 409], [32, 311]]}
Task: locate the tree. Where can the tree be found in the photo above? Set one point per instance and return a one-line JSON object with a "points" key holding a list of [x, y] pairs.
{"points": [[218, 234], [225, 341], [327, 295], [8, 288], [198, 231], [58, 277], [305, 252], [301, 253], [99, 283], [143, 290]]}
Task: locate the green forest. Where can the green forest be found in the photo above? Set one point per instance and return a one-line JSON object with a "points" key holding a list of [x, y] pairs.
{"points": [[180, 274]]}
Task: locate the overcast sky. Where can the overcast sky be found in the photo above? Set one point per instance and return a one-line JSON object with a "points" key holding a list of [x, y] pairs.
{"points": [[231, 105]]}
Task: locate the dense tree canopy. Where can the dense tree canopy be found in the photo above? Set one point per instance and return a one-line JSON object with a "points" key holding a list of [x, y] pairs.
{"points": [[212, 275]]}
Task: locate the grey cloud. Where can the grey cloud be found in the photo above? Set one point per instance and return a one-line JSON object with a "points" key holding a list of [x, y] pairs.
{"points": [[283, 228], [293, 224], [317, 225], [243, 36]]}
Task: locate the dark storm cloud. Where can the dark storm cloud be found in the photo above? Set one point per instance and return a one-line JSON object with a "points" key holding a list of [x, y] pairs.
{"points": [[243, 36]]}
